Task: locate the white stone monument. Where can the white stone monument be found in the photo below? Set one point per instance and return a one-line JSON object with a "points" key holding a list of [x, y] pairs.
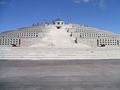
{"points": [[59, 40]]}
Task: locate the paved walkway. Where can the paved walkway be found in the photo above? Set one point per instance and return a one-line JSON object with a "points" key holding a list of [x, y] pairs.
{"points": [[60, 75]]}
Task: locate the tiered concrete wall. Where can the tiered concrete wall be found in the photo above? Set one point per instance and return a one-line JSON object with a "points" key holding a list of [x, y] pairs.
{"points": [[83, 34]]}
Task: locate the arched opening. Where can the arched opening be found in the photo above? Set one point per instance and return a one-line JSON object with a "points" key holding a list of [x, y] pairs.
{"points": [[58, 27]]}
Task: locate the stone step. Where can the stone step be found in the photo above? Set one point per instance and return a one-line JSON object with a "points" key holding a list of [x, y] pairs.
{"points": [[57, 53]]}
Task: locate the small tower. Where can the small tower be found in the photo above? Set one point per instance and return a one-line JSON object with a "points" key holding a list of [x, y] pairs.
{"points": [[58, 23]]}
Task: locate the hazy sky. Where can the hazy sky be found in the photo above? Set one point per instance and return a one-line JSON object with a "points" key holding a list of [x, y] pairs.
{"points": [[101, 14]]}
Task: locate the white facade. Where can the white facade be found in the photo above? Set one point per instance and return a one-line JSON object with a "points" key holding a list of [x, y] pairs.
{"points": [[58, 23], [59, 34]]}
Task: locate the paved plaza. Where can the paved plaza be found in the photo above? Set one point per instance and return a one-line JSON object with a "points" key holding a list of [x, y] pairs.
{"points": [[60, 75]]}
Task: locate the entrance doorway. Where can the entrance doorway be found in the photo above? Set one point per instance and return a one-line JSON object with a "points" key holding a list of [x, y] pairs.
{"points": [[58, 27]]}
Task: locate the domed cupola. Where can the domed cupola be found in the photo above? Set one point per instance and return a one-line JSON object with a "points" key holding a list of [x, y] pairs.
{"points": [[58, 23]]}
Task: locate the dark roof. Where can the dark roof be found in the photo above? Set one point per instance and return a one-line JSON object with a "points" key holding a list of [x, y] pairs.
{"points": [[58, 19]]}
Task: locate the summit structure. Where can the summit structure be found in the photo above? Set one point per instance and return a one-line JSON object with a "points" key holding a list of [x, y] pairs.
{"points": [[59, 35]]}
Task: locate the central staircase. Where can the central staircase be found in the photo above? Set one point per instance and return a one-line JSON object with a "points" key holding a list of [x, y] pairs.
{"points": [[58, 38]]}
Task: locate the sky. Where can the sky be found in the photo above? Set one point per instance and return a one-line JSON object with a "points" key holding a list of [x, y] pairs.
{"points": [[101, 14]]}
